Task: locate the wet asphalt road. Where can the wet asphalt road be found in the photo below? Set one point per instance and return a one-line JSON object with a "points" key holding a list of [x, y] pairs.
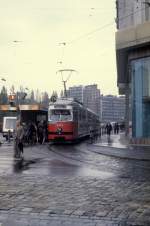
{"points": [[70, 160]]}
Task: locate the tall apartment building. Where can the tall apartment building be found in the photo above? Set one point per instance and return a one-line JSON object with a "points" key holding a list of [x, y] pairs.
{"points": [[112, 108], [91, 98], [88, 95], [76, 92]]}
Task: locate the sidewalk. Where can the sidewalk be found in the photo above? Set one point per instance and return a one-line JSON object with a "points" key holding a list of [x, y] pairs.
{"points": [[118, 146]]}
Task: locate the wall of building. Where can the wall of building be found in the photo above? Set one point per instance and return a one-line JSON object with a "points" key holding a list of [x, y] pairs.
{"points": [[91, 98], [76, 92], [113, 108], [88, 95], [132, 12], [109, 108], [133, 60]]}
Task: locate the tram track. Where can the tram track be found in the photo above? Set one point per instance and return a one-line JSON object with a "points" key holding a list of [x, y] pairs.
{"points": [[73, 158], [101, 166], [84, 149]]}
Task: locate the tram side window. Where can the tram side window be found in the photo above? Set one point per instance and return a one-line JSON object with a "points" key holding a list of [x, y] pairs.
{"points": [[75, 115], [90, 117], [79, 115], [93, 118], [83, 115]]}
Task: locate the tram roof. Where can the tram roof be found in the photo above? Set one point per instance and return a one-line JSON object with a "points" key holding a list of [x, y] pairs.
{"points": [[66, 101], [70, 101]]}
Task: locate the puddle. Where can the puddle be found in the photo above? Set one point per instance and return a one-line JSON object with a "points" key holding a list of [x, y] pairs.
{"points": [[62, 168], [56, 168], [95, 173], [22, 165]]}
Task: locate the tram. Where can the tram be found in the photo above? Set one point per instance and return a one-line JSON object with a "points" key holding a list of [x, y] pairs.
{"points": [[69, 120]]}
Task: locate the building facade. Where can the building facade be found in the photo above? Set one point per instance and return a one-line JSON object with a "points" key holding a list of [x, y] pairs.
{"points": [[76, 92], [113, 108], [133, 64], [130, 13], [88, 95], [91, 98]]}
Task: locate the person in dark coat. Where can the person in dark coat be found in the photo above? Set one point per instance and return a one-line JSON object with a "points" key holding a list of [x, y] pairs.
{"points": [[108, 129], [116, 128], [18, 141], [40, 132]]}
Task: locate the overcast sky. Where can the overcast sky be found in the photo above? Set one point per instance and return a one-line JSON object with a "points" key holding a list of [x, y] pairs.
{"points": [[30, 35]]}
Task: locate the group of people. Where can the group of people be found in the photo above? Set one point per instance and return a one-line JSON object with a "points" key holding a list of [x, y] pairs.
{"points": [[35, 132], [30, 133], [109, 128]]}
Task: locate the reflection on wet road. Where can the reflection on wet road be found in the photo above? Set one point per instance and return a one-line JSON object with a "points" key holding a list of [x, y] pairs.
{"points": [[21, 164], [70, 160]]}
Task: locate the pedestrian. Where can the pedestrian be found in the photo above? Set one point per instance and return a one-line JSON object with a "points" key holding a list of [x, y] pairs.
{"points": [[108, 129], [32, 133], [117, 128], [91, 135], [44, 132], [9, 135], [18, 142], [35, 135], [40, 132]]}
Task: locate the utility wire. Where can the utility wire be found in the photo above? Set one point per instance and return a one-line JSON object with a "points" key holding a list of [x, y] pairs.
{"points": [[97, 30], [103, 27], [90, 33]]}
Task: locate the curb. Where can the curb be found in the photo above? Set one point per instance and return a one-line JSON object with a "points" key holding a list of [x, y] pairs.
{"points": [[120, 153]]}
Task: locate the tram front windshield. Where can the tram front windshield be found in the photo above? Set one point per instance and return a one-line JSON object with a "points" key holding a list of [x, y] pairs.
{"points": [[60, 115]]}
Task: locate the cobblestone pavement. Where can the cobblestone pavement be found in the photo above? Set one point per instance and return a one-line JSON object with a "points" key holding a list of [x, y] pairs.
{"points": [[38, 194]]}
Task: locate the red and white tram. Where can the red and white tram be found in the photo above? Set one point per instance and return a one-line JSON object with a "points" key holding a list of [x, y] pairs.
{"points": [[69, 120]]}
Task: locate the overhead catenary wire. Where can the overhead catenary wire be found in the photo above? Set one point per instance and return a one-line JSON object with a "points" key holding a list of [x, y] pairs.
{"points": [[90, 33], [103, 27], [95, 31]]}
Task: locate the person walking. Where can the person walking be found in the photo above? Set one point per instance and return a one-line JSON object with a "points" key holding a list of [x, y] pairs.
{"points": [[40, 132], [44, 132], [18, 142], [108, 129], [117, 128]]}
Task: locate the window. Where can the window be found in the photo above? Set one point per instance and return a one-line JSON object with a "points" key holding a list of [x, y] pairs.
{"points": [[60, 115]]}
